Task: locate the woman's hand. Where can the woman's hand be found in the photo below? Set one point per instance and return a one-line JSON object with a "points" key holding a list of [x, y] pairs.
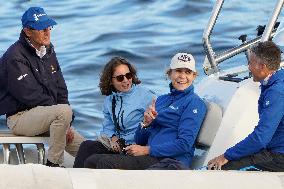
{"points": [[114, 144], [137, 150], [150, 114]]}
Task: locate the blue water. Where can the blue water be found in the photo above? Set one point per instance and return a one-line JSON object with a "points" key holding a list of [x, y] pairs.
{"points": [[147, 32]]}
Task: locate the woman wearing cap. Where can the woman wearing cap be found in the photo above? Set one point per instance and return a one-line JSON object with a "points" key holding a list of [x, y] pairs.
{"points": [[123, 108], [170, 126]]}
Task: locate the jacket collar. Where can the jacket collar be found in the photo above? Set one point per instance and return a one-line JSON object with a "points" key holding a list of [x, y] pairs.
{"points": [[278, 75], [176, 92], [24, 40], [122, 94]]}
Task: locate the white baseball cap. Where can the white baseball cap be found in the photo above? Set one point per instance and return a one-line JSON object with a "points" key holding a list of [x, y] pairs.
{"points": [[183, 60]]}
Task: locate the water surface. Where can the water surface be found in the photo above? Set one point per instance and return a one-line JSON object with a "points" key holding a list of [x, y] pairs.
{"points": [[147, 32]]}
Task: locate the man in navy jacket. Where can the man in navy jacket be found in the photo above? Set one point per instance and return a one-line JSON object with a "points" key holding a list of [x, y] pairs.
{"points": [[33, 92], [264, 147]]}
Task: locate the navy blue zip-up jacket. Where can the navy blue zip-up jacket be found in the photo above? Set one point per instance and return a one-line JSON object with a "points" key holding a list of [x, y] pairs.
{"points": [[269, 132], [173, 133], [27, 81]]}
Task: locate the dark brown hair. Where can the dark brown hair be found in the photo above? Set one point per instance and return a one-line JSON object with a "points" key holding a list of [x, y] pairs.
{"points": [[268, 53], [105, 85]]}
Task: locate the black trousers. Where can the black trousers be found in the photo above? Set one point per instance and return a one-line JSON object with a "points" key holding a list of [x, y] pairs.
{"points": [[264, 160], [88, 148], [119, 161], [92, 154]]}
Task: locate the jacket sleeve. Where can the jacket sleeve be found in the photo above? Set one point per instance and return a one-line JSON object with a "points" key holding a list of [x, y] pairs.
{"points": [[141, 135], [62, 96], [23, 85], [108, 125], [188, 128], [272, 105]]}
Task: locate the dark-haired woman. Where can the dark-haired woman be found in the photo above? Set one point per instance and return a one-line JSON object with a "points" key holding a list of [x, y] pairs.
{"points": [[123, 109]]}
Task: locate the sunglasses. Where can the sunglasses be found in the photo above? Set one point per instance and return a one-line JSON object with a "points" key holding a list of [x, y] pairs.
{"points": [[120, 78]]}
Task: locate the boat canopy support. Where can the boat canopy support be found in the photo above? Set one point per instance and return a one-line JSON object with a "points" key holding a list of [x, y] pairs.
{"points": [[212, 60]]}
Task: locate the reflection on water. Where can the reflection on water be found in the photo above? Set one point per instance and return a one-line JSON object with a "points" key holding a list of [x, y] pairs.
{"points": [[146, 32]]}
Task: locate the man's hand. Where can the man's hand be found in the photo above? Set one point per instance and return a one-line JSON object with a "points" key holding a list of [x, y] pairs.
{"points": [[69, 135], [137, 150], [217, 163]]}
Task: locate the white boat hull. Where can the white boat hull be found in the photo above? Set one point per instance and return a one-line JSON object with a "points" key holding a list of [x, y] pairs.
{"points": [[31, 176]]}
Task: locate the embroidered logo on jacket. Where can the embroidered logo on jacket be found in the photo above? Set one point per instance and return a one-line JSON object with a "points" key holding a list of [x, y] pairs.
{"points": [[174, 108], [52, 69], [21, 77]]}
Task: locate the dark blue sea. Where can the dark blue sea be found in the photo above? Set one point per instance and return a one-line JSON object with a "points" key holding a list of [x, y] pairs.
{"points": [[146, 32]]}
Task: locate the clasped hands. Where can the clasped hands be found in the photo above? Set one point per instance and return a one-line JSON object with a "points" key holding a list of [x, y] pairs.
{"points": [[133, 150]]}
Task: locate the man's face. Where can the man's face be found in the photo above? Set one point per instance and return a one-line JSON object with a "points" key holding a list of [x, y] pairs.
{"points": [[257, 68], [38, 38]]}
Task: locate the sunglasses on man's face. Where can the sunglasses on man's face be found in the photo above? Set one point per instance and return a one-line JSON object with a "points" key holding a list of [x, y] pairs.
{"points": [[120, 78]]}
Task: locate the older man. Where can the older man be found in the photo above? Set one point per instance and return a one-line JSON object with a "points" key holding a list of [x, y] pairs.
{"points": [[33, 92], [264, 147]]}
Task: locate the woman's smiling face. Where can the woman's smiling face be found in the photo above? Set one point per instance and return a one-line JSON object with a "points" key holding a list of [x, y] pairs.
{"points": [[124, 85], [181, 78]]}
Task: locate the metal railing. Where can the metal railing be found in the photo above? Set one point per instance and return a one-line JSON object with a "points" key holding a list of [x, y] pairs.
{"points": [[214, 59]]}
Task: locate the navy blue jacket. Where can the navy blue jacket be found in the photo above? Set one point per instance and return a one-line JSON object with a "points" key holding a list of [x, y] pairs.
{"points": [[269, 132], [27, 81], [173, 133]]}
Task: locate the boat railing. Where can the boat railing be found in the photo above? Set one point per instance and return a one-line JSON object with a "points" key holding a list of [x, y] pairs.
{"points": [[215, 59]]}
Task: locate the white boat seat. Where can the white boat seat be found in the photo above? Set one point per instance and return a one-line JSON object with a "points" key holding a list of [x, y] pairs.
{"points": [[210, 124], [7, 138]]}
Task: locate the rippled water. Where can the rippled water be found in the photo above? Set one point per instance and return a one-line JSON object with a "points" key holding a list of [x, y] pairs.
{"points": [[147, 32]]}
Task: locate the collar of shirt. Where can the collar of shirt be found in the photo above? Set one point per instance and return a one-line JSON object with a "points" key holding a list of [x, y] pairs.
{"points": [[42, 50], [265, 80]]}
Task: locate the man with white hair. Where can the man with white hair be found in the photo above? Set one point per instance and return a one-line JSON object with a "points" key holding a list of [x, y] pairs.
{"points": [[33, 92]]}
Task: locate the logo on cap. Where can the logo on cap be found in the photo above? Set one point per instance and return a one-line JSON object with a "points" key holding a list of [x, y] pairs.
{"points": [[36, 16], [184, 58]]}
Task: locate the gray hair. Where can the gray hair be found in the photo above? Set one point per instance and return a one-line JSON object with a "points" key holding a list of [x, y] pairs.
{"points": [[268, 53]]}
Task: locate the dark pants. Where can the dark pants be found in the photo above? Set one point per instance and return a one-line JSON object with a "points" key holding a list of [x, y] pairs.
{"points": [[119, 161], [88, 148], [264, 160]]}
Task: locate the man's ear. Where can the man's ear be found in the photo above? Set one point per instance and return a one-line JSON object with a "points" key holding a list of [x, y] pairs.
{"points": [[27, 32], [263, 67]]}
